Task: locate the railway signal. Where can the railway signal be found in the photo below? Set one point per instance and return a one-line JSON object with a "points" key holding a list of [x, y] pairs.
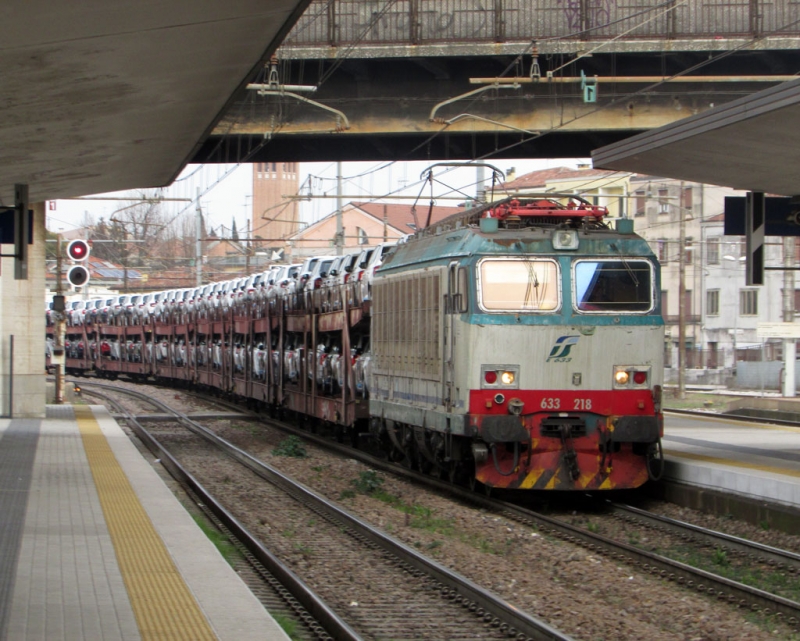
{"points": [[78, 251]]}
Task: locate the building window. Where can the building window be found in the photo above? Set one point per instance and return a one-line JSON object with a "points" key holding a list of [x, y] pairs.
{"points": [[796, 301], [663, 302], [663, 204], [661, 247], [712, 302], [639, 203], [363, 239], [748, 302], [713, 251], [689, 255]]}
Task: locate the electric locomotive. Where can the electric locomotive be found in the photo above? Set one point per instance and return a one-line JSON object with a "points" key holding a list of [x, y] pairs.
{"points": [[517, 345], [520, 345]]}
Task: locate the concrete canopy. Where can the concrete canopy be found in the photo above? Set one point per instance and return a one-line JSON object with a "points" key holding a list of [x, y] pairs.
{"points": [[751, 144], [104, 95]]}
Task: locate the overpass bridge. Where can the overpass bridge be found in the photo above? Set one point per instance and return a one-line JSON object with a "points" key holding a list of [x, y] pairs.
{"points": [[418, 79]]}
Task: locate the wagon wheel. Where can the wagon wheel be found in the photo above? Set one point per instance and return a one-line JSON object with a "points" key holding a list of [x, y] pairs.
{"points": [[474, 484], [394, 455], [479, 488], [457, 473], [425, 466]]}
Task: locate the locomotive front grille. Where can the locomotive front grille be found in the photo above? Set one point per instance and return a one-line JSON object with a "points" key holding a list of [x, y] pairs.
{"points": [[556, 426]]}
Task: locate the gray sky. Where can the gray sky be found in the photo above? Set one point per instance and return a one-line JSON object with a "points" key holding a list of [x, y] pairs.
{"points": [[226, 190]]}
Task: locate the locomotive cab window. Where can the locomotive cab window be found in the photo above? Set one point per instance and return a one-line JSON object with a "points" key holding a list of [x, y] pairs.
{"points": [[612, 286], [518, 285]]}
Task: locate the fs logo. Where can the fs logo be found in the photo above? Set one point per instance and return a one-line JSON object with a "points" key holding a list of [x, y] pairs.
{"points": [[561, 349]]}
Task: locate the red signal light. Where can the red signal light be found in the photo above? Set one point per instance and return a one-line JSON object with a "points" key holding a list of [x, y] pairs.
{"points": [[490, 376], [639, 377], [78, 250]]}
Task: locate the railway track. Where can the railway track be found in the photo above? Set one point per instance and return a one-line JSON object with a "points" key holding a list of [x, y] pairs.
{"points": [[774, 557], [710, 583], [273, 583], [407, 595]]}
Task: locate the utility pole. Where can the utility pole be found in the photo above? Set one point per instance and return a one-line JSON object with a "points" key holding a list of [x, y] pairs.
{"points": [[339, 224], [58, 347], [198, 246], [789, 345], [681, 298], [125, 264], [247, 248]]}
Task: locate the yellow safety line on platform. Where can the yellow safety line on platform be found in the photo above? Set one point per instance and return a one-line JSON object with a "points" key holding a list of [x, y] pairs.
{"points": [[162, 603], [733, 463]]}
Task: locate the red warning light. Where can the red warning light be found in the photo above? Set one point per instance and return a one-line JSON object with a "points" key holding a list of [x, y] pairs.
{"points": [[78, 250]]}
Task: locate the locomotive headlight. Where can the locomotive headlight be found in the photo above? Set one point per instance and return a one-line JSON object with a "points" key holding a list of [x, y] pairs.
{"points": [[565, 239], [637, 376], [499, 376], [621, 377]]}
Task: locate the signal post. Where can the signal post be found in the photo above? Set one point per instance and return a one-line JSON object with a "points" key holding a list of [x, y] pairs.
{"points": [[77, 276]]}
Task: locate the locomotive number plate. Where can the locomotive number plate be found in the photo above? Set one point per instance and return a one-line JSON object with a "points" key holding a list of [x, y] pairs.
{"points": [[554, 403]]}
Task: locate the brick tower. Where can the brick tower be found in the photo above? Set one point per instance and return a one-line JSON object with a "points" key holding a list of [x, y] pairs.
{"points": [[274, 217]]}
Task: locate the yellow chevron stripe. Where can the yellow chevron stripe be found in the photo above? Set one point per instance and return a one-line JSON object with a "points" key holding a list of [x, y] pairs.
{"points": [[162, 603]]}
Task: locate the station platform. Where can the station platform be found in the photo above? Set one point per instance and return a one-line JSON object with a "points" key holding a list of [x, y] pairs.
{"points": [[756, 461], [94, 545]]}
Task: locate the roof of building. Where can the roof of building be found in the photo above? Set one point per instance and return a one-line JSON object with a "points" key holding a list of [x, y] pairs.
{"points": [[542, 177], [401, 216]]}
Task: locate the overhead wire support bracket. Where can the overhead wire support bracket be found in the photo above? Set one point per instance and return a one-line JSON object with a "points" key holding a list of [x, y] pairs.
{"points": [[266, 90], [536, 72], [455, 119], [273, 87], [474, 92]]}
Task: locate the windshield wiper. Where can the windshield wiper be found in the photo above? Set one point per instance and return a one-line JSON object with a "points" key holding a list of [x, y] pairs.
{"points": [[625, 263]]}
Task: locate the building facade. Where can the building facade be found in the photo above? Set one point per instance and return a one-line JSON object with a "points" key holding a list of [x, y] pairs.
{"points": [[720, 312]]}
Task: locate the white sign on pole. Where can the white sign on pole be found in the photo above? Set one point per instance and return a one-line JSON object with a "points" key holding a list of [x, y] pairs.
{"points": [[778, 330]]}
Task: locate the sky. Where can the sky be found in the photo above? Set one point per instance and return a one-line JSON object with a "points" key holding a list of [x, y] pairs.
{"points": [[226, 190]]}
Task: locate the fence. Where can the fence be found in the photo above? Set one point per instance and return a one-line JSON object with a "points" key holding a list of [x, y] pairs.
{"points": [[717, 359], [350, 22]]}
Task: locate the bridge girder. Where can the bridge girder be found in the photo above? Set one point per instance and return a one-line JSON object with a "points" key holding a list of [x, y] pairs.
{"points": [[380, 109]]}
